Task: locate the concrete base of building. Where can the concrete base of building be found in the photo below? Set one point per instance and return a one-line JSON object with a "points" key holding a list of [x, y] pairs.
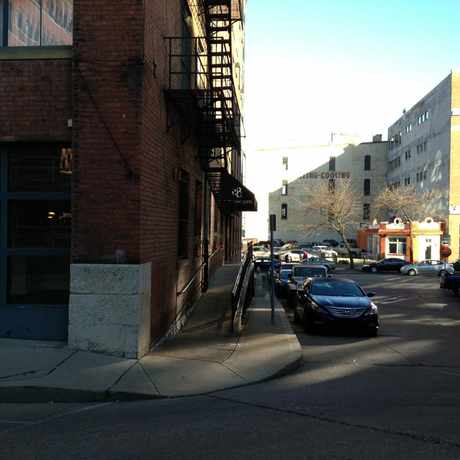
{"points": [[110, 308]]}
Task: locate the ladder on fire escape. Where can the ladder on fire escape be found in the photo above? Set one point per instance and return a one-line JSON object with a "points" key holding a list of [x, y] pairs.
{"points": [[222, 104]]}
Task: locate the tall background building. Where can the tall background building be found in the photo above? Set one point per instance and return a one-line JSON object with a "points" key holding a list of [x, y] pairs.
{"points": [[364, 165], [424, 152]]}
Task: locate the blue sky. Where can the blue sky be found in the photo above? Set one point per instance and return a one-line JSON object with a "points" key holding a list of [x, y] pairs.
{"points": [[313, 67]]}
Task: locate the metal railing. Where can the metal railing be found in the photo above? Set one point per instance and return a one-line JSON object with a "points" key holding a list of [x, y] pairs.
{"points": [[243, 291], [187, 63]]}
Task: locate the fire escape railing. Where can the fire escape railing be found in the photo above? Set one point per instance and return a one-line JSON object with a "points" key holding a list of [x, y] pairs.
{"points": [[200, 82]]}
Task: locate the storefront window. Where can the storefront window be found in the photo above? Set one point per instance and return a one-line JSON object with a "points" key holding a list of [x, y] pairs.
{"points": [[38, 280], [35, 224], [39, 224], [40, 168], [397, 246], [38, 22]]}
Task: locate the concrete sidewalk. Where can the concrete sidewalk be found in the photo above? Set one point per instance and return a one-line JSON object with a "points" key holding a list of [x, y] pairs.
{"points": [[205, 357]]}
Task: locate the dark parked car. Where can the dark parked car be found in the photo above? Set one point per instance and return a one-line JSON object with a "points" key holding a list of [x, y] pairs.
{"points": [[329, 264], [450, 281], [391, 264], [263, 263], [338, 302], [282, 280]]}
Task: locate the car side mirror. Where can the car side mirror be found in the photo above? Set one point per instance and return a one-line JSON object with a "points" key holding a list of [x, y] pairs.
{"points": [[371, 294]]}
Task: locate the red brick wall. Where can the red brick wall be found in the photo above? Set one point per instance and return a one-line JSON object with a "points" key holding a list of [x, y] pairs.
{"points": [[166, 147], [107, 78], [35, 100]]}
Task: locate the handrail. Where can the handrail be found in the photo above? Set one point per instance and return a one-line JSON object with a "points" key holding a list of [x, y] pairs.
{"points": [[195, 274], [243, 300]]}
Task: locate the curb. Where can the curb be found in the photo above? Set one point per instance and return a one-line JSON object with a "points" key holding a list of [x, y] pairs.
{"points": [[31, 393]]}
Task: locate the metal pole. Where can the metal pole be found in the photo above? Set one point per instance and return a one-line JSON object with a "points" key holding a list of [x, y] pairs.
{"points": [[206, 201], [272, 278]]}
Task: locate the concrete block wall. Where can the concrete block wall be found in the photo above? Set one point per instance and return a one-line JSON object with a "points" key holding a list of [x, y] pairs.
{"points": [[110, 309]]}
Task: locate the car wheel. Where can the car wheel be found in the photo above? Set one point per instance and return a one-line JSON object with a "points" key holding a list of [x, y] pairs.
{"points": [[374, 269], [411, 272]]}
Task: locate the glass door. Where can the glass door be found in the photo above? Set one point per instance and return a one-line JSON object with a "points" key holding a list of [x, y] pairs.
{"points": [[35, 237]]}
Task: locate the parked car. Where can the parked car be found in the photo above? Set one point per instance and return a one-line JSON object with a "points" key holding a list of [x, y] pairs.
{"points": [[329, 264], [282, 279], [427, 267], [294, 255], [390, 264], [342, 250], [450, 281], [260, 251], [337, 302], [300, 273], [325, 251], [331, 243], [264, 263]]}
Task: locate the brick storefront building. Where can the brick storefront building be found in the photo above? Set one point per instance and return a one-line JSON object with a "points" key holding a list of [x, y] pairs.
{"points": [[120, 165]]}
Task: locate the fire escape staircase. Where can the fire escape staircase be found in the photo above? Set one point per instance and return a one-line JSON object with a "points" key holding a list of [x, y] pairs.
{"points": [[211, 102]]}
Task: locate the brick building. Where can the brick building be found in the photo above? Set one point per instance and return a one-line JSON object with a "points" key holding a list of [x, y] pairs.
{"points": [[120, 165]]}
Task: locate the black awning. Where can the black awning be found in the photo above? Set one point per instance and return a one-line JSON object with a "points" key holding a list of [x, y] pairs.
{"points": [[231, 195]]}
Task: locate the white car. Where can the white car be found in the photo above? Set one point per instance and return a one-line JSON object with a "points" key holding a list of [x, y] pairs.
{"points": [[260, 251], [325, 251], [294, 255]]}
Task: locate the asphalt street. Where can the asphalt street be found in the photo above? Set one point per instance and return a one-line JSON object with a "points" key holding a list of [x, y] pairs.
{"points": [[396, 396]]}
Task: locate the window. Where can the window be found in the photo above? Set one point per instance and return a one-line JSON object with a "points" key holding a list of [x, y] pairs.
{"points": [[397, 246], [407, 180], [285, 163], [366, 211], [198, 211], [367, 187], [284, 188], [182, 243], [407, 154], [35, 229], [367, 163], [284, 211], [332, 164], [32, 23]]}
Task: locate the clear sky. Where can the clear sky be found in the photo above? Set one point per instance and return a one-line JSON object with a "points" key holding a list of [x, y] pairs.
{"points": [[313, 67]]}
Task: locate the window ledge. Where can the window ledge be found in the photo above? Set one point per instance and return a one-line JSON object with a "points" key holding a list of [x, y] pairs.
{"points": [[22, 53]]}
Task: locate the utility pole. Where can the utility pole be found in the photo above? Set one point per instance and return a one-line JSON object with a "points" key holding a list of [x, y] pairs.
{"points": [[272, 267]]}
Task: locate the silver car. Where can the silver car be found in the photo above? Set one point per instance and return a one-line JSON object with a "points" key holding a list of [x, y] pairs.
{"points": [[301, 273], [427, 267]]}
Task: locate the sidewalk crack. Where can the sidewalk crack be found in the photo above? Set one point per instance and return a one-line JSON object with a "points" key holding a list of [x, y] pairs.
{"points": [[59, 364]]}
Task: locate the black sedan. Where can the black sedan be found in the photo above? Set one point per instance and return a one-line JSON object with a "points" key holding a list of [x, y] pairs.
{"points": [[337, 302], [391, 264]]}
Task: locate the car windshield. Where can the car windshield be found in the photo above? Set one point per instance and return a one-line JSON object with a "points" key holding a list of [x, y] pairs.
{"points": [[336, 289], [308, 271]]}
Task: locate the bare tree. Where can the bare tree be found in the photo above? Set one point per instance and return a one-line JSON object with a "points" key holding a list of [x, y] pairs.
{"points": [[403, 201], [336, 205]]}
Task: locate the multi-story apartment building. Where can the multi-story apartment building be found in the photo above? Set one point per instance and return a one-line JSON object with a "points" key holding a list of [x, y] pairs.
{"points": [[120, 165], [424, 152], [272, 167], [363, 164]]}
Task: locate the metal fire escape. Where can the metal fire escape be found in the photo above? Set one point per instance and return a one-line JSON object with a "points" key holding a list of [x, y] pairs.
{"points": [[202, 87]]}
